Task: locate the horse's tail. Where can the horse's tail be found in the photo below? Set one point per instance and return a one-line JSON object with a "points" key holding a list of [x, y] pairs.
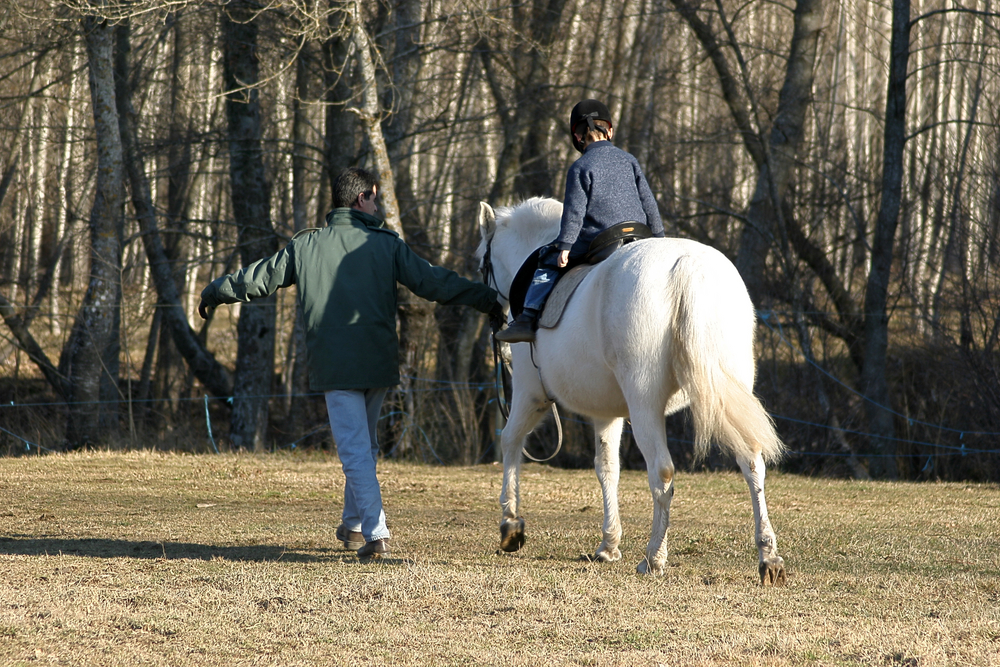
{"points": [[715, 364]]}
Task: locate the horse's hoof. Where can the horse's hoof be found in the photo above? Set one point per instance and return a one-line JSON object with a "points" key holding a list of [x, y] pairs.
{"points": [[512, 534], [607, 555], [645, 568], [772, 572]]}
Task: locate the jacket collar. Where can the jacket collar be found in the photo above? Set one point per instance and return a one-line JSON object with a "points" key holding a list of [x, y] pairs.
{"points": [[352, 216]]}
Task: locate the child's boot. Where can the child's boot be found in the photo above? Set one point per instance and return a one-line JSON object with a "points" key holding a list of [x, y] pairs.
{"points": [[521, 330]]}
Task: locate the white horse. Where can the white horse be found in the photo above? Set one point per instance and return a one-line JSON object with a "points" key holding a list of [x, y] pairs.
{"points": [[661, 325]]}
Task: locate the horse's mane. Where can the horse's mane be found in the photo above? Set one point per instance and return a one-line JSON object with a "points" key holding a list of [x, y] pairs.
{"points": [[535, 209], [534, 221]]}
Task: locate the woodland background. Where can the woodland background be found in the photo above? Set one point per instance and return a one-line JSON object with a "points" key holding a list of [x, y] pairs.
{"points": [[844, 153]]}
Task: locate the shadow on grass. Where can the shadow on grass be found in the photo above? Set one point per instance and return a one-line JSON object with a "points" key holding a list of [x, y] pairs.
{"points": [[98, 548]]}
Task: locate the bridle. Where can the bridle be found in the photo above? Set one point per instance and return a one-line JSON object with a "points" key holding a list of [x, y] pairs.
{"points": [[486, 271], [490, 279]]}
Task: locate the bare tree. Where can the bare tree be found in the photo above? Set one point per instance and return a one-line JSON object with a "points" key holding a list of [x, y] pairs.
{"points": [[874, 382], [518, 75], [252, 209], [94, 347], [203, 364], [766, 225]]}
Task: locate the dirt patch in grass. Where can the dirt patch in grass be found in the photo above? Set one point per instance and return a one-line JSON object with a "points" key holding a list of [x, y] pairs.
{"points": [[160, 559]]}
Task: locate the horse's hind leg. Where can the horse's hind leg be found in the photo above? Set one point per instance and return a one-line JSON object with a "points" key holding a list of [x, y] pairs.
{"points": [[651, 437], [525, 413], [771, 565], [607, 463]]}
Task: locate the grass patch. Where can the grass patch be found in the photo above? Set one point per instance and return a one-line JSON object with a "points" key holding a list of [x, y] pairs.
{"points": [[166, 559]]}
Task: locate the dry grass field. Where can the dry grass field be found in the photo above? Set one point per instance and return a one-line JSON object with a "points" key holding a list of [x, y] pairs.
{"points": [[157, 559]]}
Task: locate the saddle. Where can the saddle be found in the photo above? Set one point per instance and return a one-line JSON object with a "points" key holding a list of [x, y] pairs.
{"points": [[602, 247]]}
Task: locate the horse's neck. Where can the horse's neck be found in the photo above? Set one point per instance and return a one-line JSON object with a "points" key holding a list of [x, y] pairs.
{"points": [[531, 225], [532, 237]]}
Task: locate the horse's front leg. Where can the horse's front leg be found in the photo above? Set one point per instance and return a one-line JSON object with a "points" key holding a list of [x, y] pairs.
{"points": [[607, 463], [771, 565], [525, 413]]}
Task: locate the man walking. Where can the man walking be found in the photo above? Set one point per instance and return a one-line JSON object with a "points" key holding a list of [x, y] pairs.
{"points": [[346, 275]]}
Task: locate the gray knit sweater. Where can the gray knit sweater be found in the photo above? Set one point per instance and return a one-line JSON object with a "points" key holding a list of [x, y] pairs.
{"points": [[604, 186]]}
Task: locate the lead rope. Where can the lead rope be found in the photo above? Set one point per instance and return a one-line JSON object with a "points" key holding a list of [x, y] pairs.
{"points": [[498, 383], [555, 415], [501, 365]]}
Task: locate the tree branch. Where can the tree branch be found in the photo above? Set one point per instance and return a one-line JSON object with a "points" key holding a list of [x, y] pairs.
{"points": [[34, 351]]}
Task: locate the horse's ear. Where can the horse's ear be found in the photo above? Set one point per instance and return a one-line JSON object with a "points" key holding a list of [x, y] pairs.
{"points": [[487, 220]]}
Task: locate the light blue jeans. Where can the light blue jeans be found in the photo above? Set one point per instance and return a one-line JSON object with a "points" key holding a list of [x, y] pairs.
{"points": [[353, 420]]}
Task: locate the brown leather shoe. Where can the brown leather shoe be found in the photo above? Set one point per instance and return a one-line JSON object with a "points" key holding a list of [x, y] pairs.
{"points": [[374, 549], [352, 539]]}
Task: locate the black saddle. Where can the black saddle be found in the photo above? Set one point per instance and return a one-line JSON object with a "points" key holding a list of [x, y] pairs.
{"points": [[602, 247]]}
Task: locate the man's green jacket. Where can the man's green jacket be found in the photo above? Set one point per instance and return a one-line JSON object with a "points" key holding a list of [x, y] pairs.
{"points": [[346, 275]]}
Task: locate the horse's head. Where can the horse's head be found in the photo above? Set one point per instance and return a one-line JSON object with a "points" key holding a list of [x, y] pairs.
{"points": [[510, 234]]}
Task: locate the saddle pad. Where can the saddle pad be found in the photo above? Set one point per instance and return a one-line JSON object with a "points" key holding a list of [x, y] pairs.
{"points": [[561, 295]]}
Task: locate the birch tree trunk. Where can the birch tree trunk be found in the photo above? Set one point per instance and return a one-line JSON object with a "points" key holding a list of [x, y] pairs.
{"points": [[406, 62], [16, 322], [94, 345], [297, 382], [729, 82], [65, 178], [250, 191], [414, 317], [370, 114]]}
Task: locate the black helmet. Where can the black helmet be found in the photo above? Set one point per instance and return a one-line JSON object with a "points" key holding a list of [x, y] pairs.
{"points": [[587, 112]]}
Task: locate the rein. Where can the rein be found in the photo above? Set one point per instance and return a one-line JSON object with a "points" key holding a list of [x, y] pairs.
{"points": [[489, 278], [486, 271], [503, 400]]}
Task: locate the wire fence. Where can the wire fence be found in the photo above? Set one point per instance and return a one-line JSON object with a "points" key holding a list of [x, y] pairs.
{"points": [[423, 386], [444, 385]]}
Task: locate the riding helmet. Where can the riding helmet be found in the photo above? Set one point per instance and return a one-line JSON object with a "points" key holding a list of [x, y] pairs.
{"points": [[587, 111]]}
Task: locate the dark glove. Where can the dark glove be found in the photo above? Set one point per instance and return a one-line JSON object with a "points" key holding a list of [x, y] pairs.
{"points": [[203, 309], [496, 316]]}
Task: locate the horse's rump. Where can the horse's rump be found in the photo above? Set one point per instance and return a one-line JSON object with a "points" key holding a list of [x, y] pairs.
{"points": [[674, 321]]}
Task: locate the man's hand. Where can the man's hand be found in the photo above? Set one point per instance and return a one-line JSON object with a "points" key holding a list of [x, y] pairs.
{"points": [[563, 259], [204, 309], [496, 316]]}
